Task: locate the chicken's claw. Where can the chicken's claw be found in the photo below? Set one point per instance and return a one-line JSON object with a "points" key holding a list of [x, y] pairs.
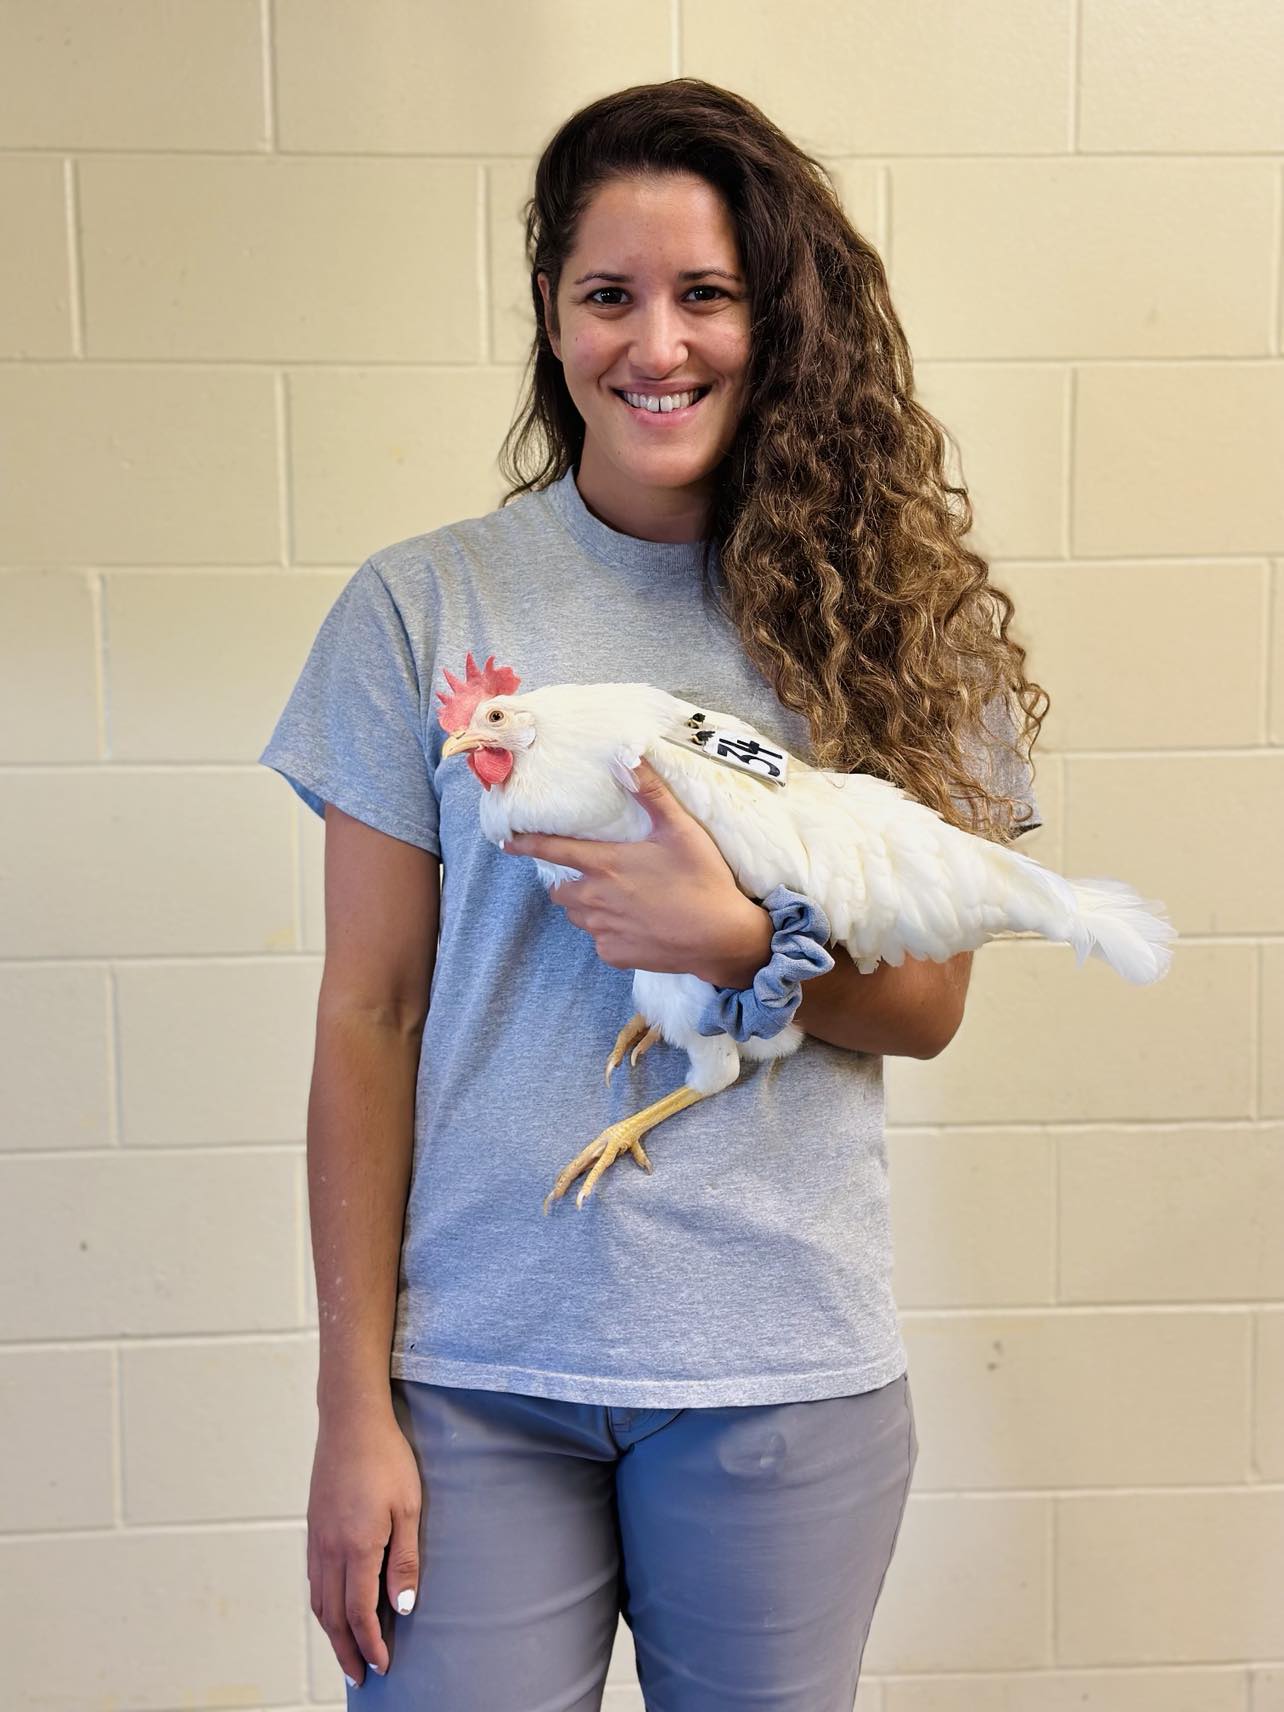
{"points": [[636, 1026], [647, 1041], [617, 1138], [606, 1150]]}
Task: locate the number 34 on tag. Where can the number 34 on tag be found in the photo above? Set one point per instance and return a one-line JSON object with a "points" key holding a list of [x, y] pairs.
{"points": [[734, 749]]}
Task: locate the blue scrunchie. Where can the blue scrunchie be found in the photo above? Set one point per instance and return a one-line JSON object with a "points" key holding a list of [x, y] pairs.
{"points": [[797, 952]]}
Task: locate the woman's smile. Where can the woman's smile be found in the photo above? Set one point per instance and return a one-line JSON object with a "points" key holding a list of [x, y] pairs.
{"points": [[658, 415]]}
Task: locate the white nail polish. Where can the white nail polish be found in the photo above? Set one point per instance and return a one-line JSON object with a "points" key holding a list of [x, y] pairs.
{"points": [[350, 1680], [406, 1600]]}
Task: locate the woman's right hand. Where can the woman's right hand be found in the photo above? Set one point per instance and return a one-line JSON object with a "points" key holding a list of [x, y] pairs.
{"points": [[365, 1492]]}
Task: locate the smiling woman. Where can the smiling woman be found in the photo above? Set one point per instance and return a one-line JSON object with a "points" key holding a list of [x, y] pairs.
{"points": [[724, 485]]}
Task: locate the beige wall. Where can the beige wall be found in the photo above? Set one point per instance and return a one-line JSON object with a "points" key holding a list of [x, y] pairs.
{"points": [[263, 311]]}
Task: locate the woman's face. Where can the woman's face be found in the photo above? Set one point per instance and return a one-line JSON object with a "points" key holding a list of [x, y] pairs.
{"points": [[653, 332]]}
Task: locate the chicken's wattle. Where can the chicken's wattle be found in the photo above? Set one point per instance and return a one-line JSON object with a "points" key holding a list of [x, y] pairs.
{"points": [[491, 765]]}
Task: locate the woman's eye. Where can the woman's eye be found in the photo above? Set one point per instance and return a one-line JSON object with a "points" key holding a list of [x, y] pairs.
{"points": [[594, 295]]}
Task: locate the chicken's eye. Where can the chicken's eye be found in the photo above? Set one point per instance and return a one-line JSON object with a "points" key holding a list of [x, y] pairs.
{"points": [[495, 716]]}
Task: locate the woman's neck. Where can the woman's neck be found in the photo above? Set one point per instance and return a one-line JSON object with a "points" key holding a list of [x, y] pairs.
{"points": [[649, 513]]}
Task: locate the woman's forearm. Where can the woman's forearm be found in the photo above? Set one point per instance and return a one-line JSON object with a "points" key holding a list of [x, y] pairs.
{"points": [[360, 1147], [911, 1010]]}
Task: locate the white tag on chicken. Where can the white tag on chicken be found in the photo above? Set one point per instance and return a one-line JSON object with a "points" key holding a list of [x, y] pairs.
{"points": [[738, 749]]}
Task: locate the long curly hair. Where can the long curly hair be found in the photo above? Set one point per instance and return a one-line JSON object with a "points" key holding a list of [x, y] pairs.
{"points": [[839, 537]]}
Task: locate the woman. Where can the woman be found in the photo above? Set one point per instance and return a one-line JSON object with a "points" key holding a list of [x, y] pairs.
{"points": [[687, 1402]]}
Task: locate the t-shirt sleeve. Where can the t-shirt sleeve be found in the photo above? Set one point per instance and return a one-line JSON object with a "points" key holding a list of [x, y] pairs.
{"points": [[1009, 774], [352, 731]]}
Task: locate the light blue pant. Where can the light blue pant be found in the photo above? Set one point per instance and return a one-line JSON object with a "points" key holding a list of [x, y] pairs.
{"points": [[746, 1548]]}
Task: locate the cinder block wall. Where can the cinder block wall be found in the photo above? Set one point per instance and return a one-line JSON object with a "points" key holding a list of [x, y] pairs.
{"points": [[263, 311]]}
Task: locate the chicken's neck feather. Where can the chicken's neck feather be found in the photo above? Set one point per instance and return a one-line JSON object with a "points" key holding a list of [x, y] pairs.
{"points": [[563, 781]]}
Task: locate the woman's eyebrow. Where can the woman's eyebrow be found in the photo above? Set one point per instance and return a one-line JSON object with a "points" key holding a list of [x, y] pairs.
{"points": [[627, 278]]}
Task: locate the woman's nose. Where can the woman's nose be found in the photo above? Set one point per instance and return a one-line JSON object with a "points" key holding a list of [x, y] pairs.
{"points": [[659, 341]]}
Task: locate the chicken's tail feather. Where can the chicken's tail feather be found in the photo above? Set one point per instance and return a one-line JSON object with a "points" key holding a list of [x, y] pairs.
{"points": [[1130, 933], [1096, 917]]}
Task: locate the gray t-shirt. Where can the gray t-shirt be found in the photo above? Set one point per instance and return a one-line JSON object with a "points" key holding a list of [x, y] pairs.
{"points": [[753, 1265]]}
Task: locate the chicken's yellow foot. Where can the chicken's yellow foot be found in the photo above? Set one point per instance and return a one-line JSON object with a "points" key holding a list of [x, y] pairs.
{"points": [[618, 1138], [635, 1026]]}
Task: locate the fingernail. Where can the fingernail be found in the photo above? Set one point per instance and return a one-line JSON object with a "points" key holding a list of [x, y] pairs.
{"points": [[406, 1600], [501, 843], [374, 1667], [350, 1680]]}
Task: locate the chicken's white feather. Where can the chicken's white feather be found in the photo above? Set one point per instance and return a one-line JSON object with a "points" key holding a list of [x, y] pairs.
{"points": [[894, 878]]}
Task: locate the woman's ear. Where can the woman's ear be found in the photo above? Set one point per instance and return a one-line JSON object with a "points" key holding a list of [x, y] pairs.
{"points": [[542, 280]]}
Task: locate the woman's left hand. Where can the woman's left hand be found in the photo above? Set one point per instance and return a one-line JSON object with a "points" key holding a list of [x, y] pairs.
{"points": [[667, 903]]}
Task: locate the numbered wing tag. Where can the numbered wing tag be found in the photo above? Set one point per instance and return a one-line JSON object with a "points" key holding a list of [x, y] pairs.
{"points": [[738, 749]]}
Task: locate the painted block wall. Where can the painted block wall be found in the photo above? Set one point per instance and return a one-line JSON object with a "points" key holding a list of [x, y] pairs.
{"points": [[263, 310]]}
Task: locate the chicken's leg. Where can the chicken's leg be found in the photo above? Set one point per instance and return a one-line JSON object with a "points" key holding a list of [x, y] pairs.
{"points": [[617, 1138], [636, 1026]]}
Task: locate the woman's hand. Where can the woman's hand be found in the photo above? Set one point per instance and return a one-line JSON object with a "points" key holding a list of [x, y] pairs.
{"points": [[668, 903], [365, 1492]]}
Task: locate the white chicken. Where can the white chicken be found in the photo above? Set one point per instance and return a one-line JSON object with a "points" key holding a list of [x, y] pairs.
{"points": [[893, 877]]}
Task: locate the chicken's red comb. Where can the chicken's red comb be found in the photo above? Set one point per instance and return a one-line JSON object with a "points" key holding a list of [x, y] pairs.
{"points": [[457, 709]]}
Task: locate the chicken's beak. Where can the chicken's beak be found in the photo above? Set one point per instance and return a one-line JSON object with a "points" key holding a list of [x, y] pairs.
{"points": [[459, 741]]}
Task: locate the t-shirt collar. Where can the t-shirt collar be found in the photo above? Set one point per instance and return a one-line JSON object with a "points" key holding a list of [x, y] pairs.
{"points": [[612, 547]]}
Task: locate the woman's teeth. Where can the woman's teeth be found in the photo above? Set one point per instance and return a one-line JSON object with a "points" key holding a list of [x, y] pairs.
{"points": [[671, 401]]}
